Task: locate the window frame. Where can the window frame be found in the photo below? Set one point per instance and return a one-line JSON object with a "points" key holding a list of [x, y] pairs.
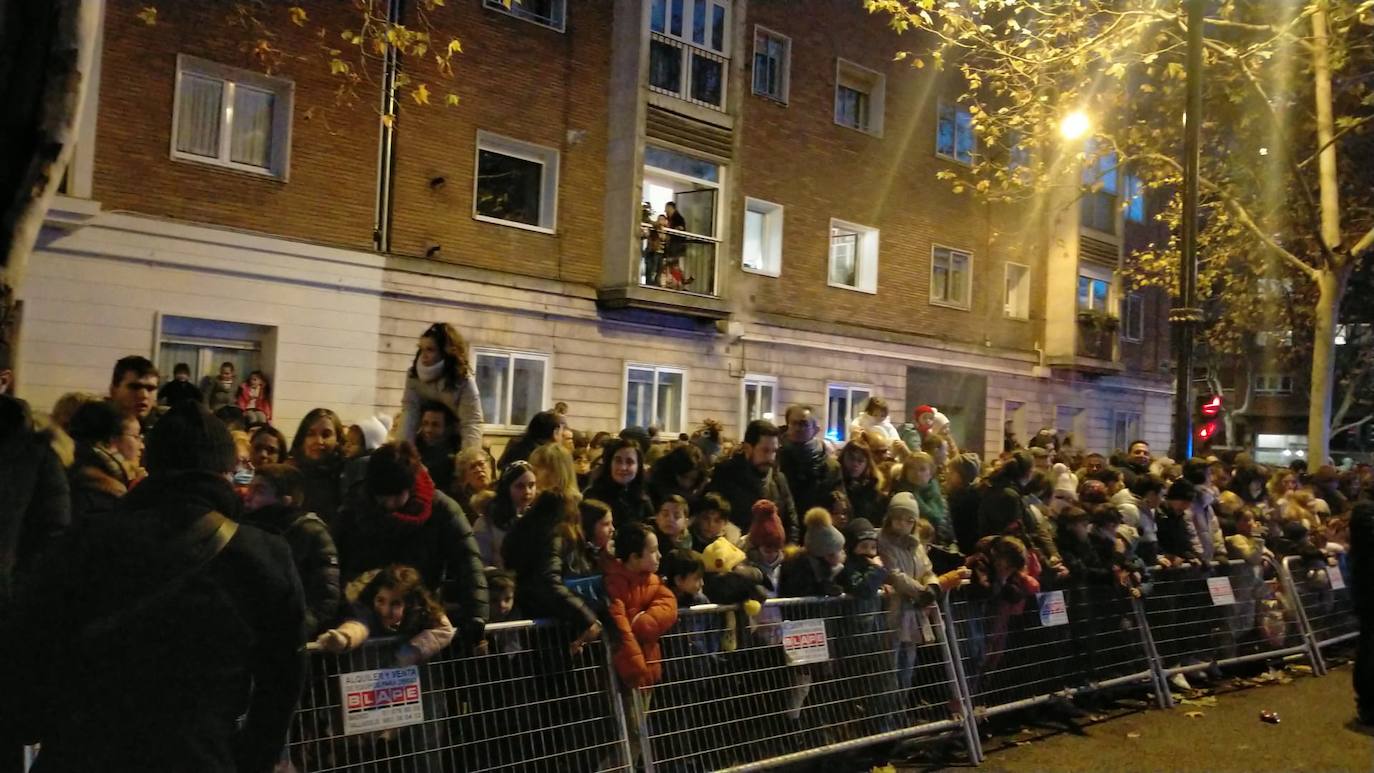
{"points": [[548, 158], [1006, 280], [501, 7], [771, 263], [1132, 311], [866, 256], [283, 93], [1269, 384], [940, 105], [756, 380], [511, 355], [1112, 179], [785, 67], [1132, 431], [851, 72], [1098, 273], [850, 388], [685, 44], [657, 369], [967, 305], [1133, 190]]}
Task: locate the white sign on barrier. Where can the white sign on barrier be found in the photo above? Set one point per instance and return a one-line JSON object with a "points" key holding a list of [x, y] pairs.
{"points": [[1337, 579], [1053, 611], [1222, 593], [803, 641], [377, 700]]}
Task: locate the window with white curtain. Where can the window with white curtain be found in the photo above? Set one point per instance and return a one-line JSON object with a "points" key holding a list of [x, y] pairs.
{"points": [[655, 396], [758, 399], [231, 117], [513, 386], [843, 402]]}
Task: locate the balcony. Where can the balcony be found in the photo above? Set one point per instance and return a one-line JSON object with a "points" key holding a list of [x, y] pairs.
{"points": [[1096, 341], [678, 261], [691, 73]]}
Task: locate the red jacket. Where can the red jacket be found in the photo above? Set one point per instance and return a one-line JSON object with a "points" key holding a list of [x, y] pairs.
{"points": [[638, 659]]}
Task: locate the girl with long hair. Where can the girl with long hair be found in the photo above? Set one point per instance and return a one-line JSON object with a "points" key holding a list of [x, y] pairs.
{"points": [[442, 373], [317, 451]]}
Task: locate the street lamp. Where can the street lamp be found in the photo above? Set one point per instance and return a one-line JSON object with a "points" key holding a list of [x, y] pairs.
{"points": [[1074, 125]]}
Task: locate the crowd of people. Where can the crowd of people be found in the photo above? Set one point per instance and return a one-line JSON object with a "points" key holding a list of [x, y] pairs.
{"points": [[205, 557]]}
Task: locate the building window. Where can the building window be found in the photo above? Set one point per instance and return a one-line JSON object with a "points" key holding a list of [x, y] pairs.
{"points": [[954, 132], [513, 386], [231, 117], [762, 253], [772, 64], [853, 256], [1133, 317], [689, 49], [655, 396], [1135, 199], [950, 277], [859, 97], [1100, 197], [548, 13], [678, 247], [842, 405], [206, 344], [516, 183], [1093, 292], [1016, 301], [758, 399], [1273, 384], [1125, 429]]}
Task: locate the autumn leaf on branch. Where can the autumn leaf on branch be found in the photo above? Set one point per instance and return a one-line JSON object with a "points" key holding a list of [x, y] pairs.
{"points": [[148, 15]]}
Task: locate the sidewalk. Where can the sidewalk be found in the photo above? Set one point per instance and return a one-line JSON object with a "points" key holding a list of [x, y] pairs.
{"points": [[1315, 733]]}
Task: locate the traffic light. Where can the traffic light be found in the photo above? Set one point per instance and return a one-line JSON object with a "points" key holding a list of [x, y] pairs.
{"points": [[1207, 427], [1212, 406]]}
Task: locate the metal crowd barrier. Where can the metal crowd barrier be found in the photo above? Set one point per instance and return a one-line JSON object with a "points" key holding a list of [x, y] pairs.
{"points": [[1048, 647], [1324, 601], [1235, 612], [526, 704], [804, 678]]}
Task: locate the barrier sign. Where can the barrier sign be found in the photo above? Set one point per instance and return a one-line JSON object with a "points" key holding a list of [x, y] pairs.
{"points": [[377, 700], [804, 641], [1052, 608], [1333, 573], [1220, 588]]}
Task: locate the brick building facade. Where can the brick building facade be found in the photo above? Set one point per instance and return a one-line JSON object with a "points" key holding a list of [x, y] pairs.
{"points": [[826, 262]]}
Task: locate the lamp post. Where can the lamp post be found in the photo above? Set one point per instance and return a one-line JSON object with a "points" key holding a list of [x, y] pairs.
{"points": [[1185, 316]]}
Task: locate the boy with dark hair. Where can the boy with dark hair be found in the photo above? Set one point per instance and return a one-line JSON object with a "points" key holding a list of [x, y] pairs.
{"points": [[133, 386], [437, 442], [179, 388], [641, 607], [710, 521]]}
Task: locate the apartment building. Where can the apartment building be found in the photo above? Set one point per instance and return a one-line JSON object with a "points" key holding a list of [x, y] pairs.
{"points": [[219, 212]]}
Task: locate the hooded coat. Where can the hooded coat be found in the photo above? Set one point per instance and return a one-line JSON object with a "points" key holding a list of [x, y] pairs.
{"points": [[315, 557], [97, 480], [910, 574], [642, 609]]}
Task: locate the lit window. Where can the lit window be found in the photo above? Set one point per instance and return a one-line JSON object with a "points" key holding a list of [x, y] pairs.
{"points": [[655, 396], [1016, 302], [954, 132], [512, 386], [842, 405], [678, 240], [950, 277], [859, 97], [772, 64], [759, 399], [1135, 199], [689, 50], [516, 183], [853, 256], [762, 251], [1092, 293], [231, 117]]}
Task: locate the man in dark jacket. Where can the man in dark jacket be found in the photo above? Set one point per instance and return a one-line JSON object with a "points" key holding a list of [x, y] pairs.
{"points": [[399, 517], [752, 474], [142, 638], [273, 502], [1003, 510], [35, 501], [810, 471]]}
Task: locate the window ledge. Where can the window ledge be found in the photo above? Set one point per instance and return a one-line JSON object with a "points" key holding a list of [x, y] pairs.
{"points": [[838, 286], [512, 224], [761, 271], [955, 306], [228, 166], [869, 132], [501, 430], [1012, 317], [953, 160], [770, 98]]}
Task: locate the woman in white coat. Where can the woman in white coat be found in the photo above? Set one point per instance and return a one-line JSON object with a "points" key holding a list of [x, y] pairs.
{"points": [[441, 372]]}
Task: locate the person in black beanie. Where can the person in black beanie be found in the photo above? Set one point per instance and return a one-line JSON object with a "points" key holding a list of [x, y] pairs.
{"points": [[140, 641]]}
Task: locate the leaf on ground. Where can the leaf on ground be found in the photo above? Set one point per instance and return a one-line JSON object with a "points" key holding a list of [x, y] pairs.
{"points": [[1193, 714], [1022, 743], [1133, 735], [1301, 669]]}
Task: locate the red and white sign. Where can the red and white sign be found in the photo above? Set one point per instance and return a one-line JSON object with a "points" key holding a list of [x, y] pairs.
{"points": [[377, 700], [1053, 611], [1221, 590], [804, 641], [1333, 573]]}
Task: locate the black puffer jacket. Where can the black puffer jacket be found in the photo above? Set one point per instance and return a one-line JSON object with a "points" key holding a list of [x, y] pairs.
{"points": [[316, 559], [629, 504], [441, 547], [104, 673], [324, 486], [742, 485], [537, 553]]}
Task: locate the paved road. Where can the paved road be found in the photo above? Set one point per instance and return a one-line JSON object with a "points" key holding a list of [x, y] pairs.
{"points": [[1314, 733]]}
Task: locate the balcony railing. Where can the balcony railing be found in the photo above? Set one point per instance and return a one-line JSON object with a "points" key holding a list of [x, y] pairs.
{"points": [[1097, 336], [687, 72], [678, 260]]}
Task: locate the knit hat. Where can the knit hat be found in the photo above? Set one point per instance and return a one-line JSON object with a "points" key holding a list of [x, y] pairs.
{"points": [[1063, 479], [765, 531], [374, 432], [1019, 465], [823, 539], [189, 437], [721, 556], [967, 465], [857, 531], [941, 421], [920, 409], [1181, 490], [903, 503]]}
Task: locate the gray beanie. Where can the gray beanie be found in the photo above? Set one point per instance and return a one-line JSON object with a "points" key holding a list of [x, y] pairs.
{"points": [[903, 502], [823, 539], [968, 466]]}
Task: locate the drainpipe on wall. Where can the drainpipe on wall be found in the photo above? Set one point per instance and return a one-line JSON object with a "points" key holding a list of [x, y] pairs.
{"points": [[386, 144]]}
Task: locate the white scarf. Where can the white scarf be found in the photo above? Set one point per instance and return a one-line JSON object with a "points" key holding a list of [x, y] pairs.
{"points": [[429, 373]]}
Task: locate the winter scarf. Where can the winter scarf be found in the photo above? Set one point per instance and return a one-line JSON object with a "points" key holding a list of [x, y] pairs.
{"points": [[417, 510], [429, 373], [935, 510], [814, 450]]}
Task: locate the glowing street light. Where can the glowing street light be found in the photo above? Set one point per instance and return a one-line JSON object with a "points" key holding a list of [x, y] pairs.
{"points": [[1074, 125]]}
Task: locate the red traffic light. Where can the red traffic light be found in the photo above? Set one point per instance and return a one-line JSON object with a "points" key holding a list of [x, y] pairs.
{"points": [[1212, 407], [1207, 430]]}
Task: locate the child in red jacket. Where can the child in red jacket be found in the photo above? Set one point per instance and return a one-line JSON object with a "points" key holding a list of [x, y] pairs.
{"points": [[642, 608]]}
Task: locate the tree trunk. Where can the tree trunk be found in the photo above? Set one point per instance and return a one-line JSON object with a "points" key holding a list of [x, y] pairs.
{"points": [[1331, 289]]}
